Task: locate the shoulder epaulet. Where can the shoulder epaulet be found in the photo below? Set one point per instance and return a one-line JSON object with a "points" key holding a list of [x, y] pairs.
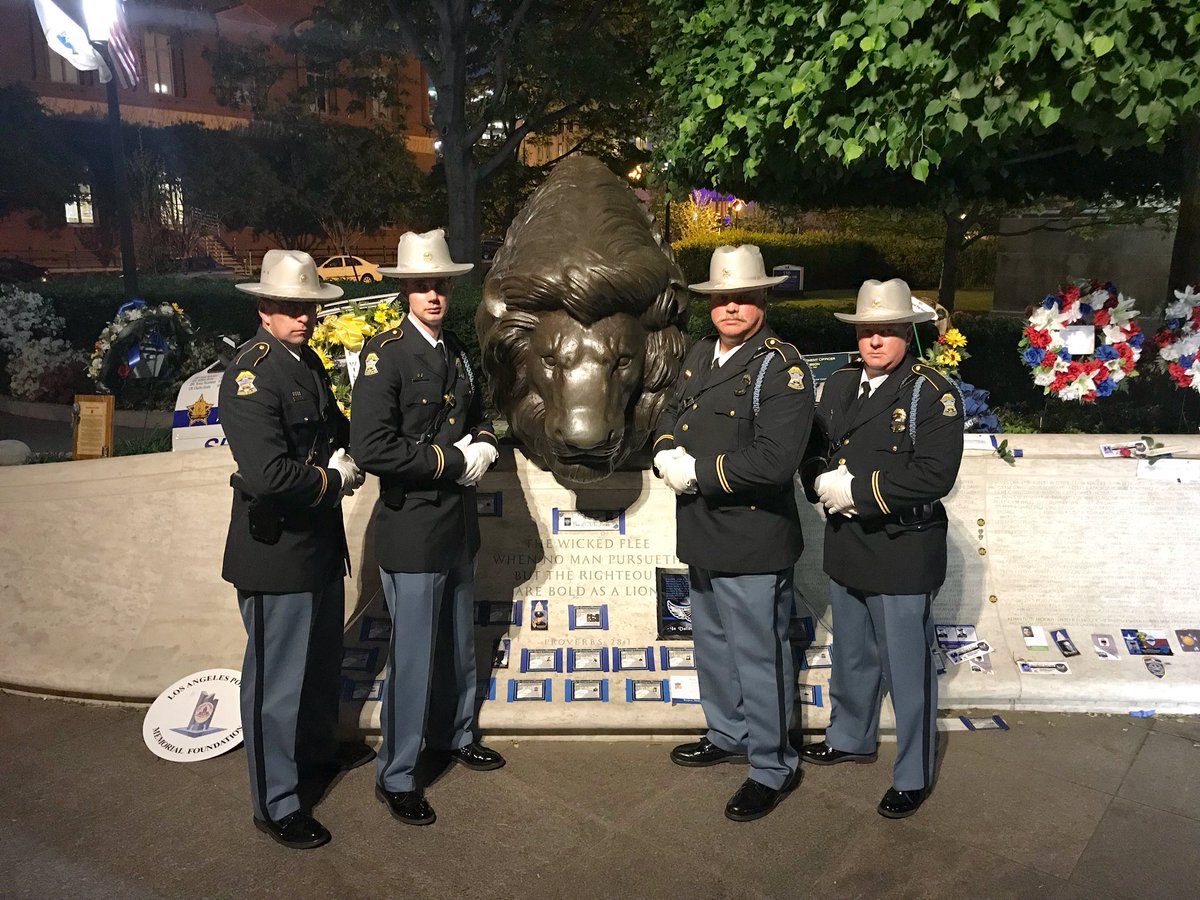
{"points": [[932, 375], [262, 348], [789, 352], [393, 334]]}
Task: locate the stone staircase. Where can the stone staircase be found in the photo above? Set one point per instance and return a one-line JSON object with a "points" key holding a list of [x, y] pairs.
{"points": [[208, 230]]}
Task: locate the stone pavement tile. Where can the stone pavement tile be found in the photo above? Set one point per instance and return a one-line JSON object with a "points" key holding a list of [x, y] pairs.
{"points": [[1139, 852], [1181, 726], [1012, 810], [903, 859], [1166, 775], [1094, 751], [861, 786], [496, 835], [685, 847], [43, 723]]}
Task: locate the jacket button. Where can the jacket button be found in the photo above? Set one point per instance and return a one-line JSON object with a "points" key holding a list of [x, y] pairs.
{"points": [[693, 406], [752, 506], [841, 462], [845, 441], [423, 400], [731, 412], [685, 426], [894, 449], [451, 420]]}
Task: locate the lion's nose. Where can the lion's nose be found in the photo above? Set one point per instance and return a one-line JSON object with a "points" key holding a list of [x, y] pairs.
{"points": [[579, 430]]}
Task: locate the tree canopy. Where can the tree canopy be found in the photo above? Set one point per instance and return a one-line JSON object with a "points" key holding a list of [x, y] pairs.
{"points": [[975, 98]]}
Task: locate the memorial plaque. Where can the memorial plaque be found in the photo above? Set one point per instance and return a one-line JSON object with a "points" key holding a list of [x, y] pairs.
{"points": [[92, 436], [674, 604]]}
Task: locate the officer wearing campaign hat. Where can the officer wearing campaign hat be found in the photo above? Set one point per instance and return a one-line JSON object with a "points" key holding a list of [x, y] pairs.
{"points": [[419, 425], [286, 548], [728, 444], [895, 428]]}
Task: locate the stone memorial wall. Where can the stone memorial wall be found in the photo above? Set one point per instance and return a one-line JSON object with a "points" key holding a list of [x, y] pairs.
{"points": [[1069, 589]]}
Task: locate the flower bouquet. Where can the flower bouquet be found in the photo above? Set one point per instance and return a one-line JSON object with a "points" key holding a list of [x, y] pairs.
{"points": [[1178, 341]]}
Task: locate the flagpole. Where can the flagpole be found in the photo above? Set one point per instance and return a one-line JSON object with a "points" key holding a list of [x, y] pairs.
{"points": [[120, 178]]}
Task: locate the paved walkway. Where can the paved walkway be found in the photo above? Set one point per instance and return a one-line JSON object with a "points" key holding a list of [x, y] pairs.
{"points": [[1070, 806]]}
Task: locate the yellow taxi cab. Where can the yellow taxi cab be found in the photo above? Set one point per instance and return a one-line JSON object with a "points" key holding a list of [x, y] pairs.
{"points": [[354, 268]]}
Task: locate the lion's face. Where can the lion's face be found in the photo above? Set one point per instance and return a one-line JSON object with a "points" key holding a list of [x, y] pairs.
{"points": [[587, 377]]}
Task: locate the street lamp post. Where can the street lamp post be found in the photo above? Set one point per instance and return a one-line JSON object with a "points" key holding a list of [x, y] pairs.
{"points": [[99, 16]]}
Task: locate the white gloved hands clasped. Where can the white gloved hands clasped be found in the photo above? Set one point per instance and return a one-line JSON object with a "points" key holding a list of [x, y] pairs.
{"points": [[352, 476], [678, 469], [479, 456], [662, 457], [834, 490]]}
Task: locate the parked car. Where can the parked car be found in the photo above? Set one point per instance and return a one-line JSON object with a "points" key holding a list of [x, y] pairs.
{"points": [[354, 268], [13, 270]]}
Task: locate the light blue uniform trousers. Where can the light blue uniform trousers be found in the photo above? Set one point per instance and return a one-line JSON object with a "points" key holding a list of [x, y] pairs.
{"points": [[884, 642], [745, 668], [430, 685], [291, 684]]}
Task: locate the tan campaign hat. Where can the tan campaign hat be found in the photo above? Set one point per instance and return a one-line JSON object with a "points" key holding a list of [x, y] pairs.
{"points": [[886, 301], [421, 255], [736, 269], [290, 275]]}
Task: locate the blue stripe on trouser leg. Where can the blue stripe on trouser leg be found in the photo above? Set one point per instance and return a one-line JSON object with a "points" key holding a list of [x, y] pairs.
{"points": [[854, 682], [414, 600], [452, 700], [756, 611], [277, 628], [904, 629], [716, 669]]}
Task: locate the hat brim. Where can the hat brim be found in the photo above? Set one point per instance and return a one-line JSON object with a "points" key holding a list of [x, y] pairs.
{"points": [[732, 287], [882, 317], [449, 271], [324, 292]]}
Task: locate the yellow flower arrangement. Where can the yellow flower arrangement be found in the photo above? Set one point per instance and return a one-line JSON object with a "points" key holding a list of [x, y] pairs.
{"points": [[948, 352], [954, 338], [346, 332]]}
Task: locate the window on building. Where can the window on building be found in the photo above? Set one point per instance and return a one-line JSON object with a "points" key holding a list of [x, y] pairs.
{"points": [[79, 210], [62, 71], [172, 203], [318, 87], [159, 76], [381, 107]]}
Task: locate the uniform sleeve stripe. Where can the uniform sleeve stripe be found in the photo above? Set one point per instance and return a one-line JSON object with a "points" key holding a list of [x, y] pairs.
{"points": [[324, 485], [875, 491], [481, 432], [663, 437], [441, 460], [721, 474]]}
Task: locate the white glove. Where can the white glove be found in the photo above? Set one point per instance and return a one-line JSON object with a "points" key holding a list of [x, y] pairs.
{"points": [[834, 490], [680, 474], [479, 457], [352, 476], [462, 442], [663, 457]]}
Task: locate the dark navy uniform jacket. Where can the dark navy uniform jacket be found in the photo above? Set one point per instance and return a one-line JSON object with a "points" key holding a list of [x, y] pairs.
{"points": [[409, 409], [896, 544], [743, 519], [282, 424]]}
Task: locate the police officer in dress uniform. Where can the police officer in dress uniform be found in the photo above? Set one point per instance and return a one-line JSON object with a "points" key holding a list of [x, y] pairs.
{"points": [[419, 425], [286, 549], [896, 439], [728, 444]]}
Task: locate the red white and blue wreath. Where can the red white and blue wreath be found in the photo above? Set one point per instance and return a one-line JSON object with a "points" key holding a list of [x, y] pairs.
{"points": [[1178, 340], [1083, 341]]}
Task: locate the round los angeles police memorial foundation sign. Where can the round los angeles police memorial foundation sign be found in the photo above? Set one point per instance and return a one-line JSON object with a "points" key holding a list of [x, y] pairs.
{"points": [[198, 717]]}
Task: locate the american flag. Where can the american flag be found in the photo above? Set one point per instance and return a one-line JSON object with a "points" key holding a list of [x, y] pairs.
{"points": [[120, 46]]}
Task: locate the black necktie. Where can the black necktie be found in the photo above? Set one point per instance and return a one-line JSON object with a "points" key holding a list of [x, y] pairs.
{"points": [[861, 400]]}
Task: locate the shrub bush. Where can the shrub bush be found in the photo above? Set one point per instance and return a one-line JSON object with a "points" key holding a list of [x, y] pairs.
{"points": [[835, 261]]}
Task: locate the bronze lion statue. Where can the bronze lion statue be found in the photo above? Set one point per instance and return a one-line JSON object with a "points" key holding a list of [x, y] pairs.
{"points": [[580, 322]]}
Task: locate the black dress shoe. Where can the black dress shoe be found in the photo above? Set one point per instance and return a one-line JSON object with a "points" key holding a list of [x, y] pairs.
{"points": [[901, 804], [478, 757], [350, 756], [702, 753], [754, 800], [297, 830], [409, 807], [821, 754]]}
